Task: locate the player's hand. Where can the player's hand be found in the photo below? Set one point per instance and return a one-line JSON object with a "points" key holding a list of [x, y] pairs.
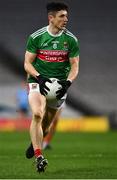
{"points": [[43, 88], [65, 85]]}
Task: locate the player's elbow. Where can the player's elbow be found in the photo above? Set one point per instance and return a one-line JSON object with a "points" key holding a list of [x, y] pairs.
{"points": [[25, 66]]}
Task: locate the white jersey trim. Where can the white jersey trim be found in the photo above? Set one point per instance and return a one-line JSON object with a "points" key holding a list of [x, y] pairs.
{"points": [[54, 35], [70, 34], [39, 32]]}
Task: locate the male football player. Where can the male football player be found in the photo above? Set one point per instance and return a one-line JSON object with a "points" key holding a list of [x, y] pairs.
{"points": [[52, 52]]}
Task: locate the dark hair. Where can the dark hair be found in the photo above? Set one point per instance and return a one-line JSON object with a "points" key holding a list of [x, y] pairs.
{"points": [[56, 6]]}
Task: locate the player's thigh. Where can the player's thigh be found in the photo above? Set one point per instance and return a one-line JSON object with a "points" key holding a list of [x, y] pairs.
{"points": [[37, 103]]}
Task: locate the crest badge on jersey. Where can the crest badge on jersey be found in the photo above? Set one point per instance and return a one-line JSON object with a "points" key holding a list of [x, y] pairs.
{"points": [[55, 46], [65, 45]]}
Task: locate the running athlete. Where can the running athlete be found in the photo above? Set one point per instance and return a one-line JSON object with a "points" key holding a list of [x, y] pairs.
{"points": [[52, 52]]}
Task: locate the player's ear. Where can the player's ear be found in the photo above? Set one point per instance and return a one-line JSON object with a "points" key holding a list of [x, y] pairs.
{"points": [[50, 17]]}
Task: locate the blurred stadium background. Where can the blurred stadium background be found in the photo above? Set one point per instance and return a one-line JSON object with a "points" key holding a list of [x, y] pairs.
{"points": [[91, 105], [95, 24]]}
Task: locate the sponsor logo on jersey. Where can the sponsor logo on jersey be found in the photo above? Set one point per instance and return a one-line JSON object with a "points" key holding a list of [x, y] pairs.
{"points": [[53, 55]]}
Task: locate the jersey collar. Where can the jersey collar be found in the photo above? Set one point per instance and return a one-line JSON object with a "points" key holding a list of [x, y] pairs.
{"points": [[54, 35]]}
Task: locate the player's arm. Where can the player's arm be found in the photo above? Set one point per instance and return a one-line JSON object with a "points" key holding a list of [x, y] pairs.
{"points": [[74, 62], [29, 68]]}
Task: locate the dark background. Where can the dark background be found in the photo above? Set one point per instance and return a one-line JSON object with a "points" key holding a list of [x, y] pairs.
{"points": [[94, 22]]}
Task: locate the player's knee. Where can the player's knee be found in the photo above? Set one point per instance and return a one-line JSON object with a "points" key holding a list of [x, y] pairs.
{"points": [[38, 115]]}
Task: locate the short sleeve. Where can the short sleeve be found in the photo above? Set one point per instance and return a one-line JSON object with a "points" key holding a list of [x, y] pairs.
{"points": [[31, 45], [74, 48]]}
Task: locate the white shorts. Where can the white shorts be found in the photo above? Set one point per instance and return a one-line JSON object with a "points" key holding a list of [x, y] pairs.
{"points": [[54, 104]]}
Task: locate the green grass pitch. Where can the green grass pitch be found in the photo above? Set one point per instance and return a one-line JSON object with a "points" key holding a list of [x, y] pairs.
{"points": [[73, 156]]}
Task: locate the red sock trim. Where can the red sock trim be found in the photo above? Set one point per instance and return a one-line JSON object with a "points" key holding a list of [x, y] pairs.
{"points": [[37, 152]]}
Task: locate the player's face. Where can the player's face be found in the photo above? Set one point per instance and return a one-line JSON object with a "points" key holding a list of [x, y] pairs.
{"points": [[60, 19]]}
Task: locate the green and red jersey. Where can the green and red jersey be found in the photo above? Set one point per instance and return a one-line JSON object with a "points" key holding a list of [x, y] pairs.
{"points": [[53, 52]]}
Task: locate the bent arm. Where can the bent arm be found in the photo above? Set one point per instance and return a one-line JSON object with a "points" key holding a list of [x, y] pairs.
{"points": [[29, 68], [74, 68]]}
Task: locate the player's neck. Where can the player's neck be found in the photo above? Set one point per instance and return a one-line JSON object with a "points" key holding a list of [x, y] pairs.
{"points": [[53, 30]]}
